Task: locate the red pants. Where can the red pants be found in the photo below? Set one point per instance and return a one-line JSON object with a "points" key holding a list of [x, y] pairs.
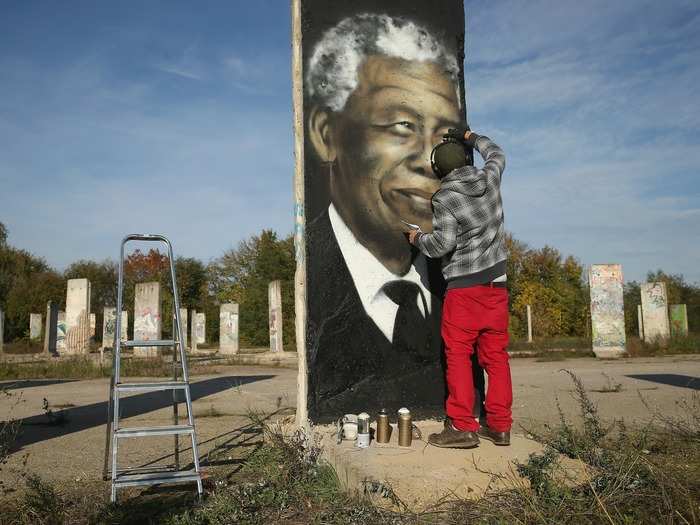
{"points": [[477, 315]]}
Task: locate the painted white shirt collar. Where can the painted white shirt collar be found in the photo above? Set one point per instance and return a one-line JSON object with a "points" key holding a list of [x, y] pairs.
{"points": [[369, 275]]}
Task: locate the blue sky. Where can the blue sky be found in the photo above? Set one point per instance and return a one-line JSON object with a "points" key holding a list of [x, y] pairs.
{"points": [[175, 117]]}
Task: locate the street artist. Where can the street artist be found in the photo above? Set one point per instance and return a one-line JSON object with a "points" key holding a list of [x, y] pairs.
{"points": [[468, 235]]}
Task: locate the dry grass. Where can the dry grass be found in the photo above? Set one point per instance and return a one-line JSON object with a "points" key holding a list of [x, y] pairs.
{"points": [[90, 367], [630, 476]]}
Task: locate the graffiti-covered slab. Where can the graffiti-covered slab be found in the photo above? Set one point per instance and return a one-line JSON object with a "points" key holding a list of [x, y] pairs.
{"points": [[200, 327], [381, 82], [77, 319], [35, 327], [655, 312], [274, 301], [109, 326], [679, 320], [228, 328], [147, 317], [61, 331], [607, 310]]}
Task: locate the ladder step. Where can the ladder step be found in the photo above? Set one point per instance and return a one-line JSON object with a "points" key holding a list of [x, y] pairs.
{"points": [[156, 478], [154, 431], [155, 342], [157, 385]]}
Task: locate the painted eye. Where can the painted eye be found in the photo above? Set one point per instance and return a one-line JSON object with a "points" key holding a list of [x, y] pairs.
{"points": [[403, 128]]}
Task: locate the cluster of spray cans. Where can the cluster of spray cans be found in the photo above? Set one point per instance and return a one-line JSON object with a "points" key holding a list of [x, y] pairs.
{"points": [[357, 428]]}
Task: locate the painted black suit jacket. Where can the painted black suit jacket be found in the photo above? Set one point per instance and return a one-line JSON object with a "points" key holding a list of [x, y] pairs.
{"points": [[352, 365]]}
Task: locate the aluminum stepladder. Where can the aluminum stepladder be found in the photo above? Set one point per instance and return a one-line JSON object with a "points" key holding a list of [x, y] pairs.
{"points": [[126, 477]]}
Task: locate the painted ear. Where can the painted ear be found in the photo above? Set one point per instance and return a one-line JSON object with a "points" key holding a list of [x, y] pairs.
{"points": [[321, 135]]}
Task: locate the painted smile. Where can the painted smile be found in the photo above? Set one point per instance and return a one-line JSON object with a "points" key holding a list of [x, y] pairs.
{"points": [[417, 197]]}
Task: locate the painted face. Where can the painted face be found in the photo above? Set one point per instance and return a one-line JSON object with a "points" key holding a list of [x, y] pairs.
{"points": [[384, 137]]}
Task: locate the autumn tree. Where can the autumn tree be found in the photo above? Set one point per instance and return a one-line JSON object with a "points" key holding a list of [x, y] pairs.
{"points": [[191, 274], [242, 275], [554, 287], [678, 291], [27, 283]]}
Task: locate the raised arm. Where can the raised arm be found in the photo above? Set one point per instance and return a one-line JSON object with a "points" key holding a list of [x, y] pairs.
{"points": [[494, 158]]}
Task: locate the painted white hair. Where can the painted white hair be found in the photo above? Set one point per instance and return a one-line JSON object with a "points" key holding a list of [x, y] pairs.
{"points": [[332, 70]]}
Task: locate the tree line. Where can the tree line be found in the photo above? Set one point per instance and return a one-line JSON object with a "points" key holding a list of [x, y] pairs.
{"points": [[239, 275], [556, 287]]}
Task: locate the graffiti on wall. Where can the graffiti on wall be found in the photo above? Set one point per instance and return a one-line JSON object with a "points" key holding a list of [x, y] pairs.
{"points": [[147, 325], [228, 332], [383, 82], [679, 319], [199, 328], [607, 308], [655, 312], [61, 329], [109, 327]]}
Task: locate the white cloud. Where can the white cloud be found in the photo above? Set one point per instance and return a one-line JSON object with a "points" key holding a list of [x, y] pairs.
{"points": [[595, 105]]}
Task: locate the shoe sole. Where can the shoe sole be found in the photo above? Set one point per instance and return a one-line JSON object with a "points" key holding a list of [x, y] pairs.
{"points": [[454, 446]]}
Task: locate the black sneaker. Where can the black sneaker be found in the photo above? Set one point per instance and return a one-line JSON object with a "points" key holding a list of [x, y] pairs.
{"points": [[501, 439]]}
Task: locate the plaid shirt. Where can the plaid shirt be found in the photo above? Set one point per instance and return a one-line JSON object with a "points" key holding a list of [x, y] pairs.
{"points": [[468, 228]]}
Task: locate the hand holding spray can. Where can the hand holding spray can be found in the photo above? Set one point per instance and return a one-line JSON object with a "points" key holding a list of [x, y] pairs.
{"points": [[405, 430]]}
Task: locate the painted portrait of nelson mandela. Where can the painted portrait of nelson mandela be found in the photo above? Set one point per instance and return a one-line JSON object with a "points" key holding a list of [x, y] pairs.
{"points": [[380, 90]]}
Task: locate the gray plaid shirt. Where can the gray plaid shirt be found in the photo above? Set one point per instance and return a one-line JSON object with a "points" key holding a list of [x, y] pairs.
{"points": [[468, 219]]}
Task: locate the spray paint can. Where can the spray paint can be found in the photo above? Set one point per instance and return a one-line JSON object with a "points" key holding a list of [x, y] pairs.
{"points": [[363, 430], [383, 427], [405, 431]]}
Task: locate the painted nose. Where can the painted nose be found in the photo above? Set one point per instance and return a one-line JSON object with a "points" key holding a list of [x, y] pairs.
{"points": [[420, 160]]}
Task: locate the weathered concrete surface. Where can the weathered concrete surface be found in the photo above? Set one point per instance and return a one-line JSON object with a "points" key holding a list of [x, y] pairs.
{"points": [[93, 326], [228, 328], [607, 310], [200, 327], [422, 474], [224, 398], [125, 325], [109, 326], [34, 327], [193, 335], [77, 316], [183, 320], [679, 319], [61, 331], [147, 317], [274, 294], [655, 312]]}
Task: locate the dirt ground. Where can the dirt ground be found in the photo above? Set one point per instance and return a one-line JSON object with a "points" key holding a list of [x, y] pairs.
{"points": [[73, 452]]}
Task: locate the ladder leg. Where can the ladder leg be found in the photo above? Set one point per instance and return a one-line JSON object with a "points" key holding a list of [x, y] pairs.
{"points": [[190, 419], [108, 433], [175, 399], [115, 439]]}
